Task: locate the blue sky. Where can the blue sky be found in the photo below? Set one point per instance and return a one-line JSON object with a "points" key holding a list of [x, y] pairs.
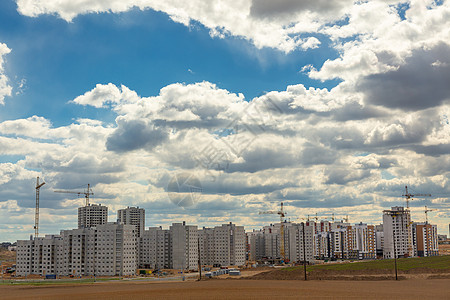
{"points": [[330, 108], [143, 50]]}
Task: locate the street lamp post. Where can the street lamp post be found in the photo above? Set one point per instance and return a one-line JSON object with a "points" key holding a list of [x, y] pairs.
{"points": [[395, 249]]}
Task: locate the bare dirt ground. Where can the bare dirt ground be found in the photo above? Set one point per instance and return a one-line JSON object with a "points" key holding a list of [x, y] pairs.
{"points": [[237, 289]]}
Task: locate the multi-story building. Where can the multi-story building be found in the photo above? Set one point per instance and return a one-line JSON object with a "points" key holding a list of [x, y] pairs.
{"points": [[301, 237], [322, 245], [154, 249], [379, 238], [229, 245], [256, 244], [207, 246], [425, 239], [42, 256], [397, 233], [184, 246], [338, 243], [132, 216], [364, 244], [92, 215], [108, 250]]}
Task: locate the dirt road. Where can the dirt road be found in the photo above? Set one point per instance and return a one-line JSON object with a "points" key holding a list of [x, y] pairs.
{"points": [[237, 289]]}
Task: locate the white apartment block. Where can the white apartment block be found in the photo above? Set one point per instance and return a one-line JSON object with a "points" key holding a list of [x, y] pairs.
{"points": [[339, 243], [39, 256], [364, 241], [256, 244], [92, 215], [207, 246], [105, 250], [321, 245], [132, 216], [154, 249], [184, 246], [299, 240], [229, 245], [397, 228]]}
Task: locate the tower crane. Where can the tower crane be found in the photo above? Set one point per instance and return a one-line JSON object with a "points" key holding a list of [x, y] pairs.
{"points": [[88, 192], [409, 196], [426, 214], [36, 212], [282, 214]]}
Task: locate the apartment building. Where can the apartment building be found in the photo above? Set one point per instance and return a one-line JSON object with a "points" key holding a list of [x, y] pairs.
{"points": [[106, 250], [184, 246], [425, 239], [155, 249], [132, 216], [92, 215], [397, 233], [229, 245], [299, 240]]}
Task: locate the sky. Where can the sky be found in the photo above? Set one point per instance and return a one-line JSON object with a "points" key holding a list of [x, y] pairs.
{"points": [[213, 111]]}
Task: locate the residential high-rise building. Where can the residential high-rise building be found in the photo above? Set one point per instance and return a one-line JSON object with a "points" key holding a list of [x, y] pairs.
{"points": [[155, 249], [379, 238], [299, 240], [207, 246], [105, 250], [229, 244], [184, 246], [397, 233], [132, 216], [92, 215], [256, 244], [364, 244], [425, 239]]}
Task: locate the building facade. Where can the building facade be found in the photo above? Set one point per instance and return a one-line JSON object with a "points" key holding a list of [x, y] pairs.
{"points": [[132, 216], [92, 215], [397, 233]]}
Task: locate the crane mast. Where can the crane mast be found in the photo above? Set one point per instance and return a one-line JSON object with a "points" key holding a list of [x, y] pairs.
{"points": [[426, 213], [409, 197], [36, 213]]}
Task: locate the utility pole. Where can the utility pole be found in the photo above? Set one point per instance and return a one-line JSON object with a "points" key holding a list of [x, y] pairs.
{"points": [[395, 251], [304, 251]]}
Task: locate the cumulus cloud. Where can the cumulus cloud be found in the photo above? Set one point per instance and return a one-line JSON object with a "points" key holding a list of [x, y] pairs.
{"points": [[350, 148], [5, 88], [283, 8], [417, 84], [34, 126], [104, 94]]}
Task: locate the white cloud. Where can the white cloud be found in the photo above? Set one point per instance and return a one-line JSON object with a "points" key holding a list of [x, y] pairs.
{"points": [[5, 88], [241, 18], [319, 149]]}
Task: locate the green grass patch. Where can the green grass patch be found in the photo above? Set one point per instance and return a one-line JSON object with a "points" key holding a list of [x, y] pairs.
{"points": [[433, 262]]}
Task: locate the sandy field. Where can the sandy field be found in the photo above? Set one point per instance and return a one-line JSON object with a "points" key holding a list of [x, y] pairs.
{"points": [[237, 289]]}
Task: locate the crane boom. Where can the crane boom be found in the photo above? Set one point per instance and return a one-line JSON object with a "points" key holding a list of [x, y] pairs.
{"points": [[409, 196], [88, 192], [36, 212]]}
